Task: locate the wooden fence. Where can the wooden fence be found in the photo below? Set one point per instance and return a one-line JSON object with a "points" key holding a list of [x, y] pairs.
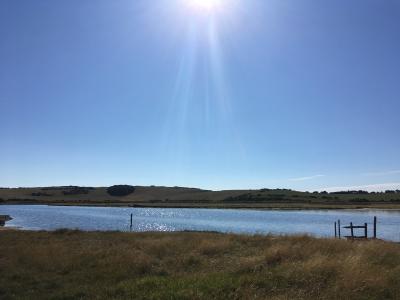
{"points": [[352, 228]]}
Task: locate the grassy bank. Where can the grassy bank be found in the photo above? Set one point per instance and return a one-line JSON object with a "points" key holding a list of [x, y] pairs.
{"points": [[74, 265], [153, 196]]}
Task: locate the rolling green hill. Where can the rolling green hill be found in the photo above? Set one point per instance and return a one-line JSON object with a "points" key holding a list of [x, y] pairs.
{"points": [[155, 196]]}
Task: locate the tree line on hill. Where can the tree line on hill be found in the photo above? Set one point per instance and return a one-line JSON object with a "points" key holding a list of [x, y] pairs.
{"points": [[359, 192]]}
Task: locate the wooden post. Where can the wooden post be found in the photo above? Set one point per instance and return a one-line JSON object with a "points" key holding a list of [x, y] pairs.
{"points": [[339, 228], [335, 231], [366, 230], [131, 221], [375, 227], [351, 229]]}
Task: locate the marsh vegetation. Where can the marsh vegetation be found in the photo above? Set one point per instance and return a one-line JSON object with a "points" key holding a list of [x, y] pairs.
{"points": [[188, 265]]}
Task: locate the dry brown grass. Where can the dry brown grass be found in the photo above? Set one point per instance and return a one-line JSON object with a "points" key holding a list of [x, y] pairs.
{"points": [[97, 265]]}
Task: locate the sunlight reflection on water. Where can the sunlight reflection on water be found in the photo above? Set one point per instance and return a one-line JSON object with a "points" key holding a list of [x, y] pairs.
{"points": [[314, 222]]}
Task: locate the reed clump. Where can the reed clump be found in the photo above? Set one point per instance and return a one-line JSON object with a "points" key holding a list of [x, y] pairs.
{"points": [[112, 265]]}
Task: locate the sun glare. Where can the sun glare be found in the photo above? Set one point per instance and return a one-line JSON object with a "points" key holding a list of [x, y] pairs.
{"points": [[206, 5]]}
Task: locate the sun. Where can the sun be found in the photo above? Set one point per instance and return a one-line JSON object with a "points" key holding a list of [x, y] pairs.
{"points": [[206, 5]]}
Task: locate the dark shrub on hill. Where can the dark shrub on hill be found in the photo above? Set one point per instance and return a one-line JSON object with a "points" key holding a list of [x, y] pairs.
{"points": [[66, 187], [359, 200], [76, 191], [39, 194], [239, 198], [120, 190], [360, 192]]}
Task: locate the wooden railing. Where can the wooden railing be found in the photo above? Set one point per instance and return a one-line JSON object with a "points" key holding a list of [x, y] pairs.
{"points": [[352, 227]]}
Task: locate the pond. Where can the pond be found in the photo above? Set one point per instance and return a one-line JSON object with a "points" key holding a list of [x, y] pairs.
{"points": [[314, 222]]}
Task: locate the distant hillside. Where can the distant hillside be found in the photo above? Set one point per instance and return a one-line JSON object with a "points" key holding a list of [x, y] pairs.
{"points": [[191, 197]]}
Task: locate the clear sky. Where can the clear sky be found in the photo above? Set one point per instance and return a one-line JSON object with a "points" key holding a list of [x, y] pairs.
{"points": [[231, 94]]}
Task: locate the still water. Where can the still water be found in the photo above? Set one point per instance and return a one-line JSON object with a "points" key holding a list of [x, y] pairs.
{"points": [[313, 222]]}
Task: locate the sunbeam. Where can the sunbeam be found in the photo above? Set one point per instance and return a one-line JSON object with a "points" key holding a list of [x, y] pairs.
{"points": [[201, 103]]}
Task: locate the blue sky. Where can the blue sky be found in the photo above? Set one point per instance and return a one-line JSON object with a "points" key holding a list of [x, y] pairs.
{"points": [[249, 94]]}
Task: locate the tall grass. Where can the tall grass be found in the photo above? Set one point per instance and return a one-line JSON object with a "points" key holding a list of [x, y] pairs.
{"points": [[98, 265]]}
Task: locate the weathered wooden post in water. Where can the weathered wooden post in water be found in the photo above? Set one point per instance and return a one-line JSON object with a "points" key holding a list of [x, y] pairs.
{"points": [[375, 227], [131, 221], [366, 230], [352, 229], [335, 231], [339, 228]]}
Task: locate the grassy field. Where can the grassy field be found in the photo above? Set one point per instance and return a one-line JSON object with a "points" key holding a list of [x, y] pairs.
{"points": [[97, 265], [189, 197]]}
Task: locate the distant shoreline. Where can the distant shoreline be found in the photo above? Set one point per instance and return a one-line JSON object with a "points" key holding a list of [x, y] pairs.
{"points": [[274, 206]]}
